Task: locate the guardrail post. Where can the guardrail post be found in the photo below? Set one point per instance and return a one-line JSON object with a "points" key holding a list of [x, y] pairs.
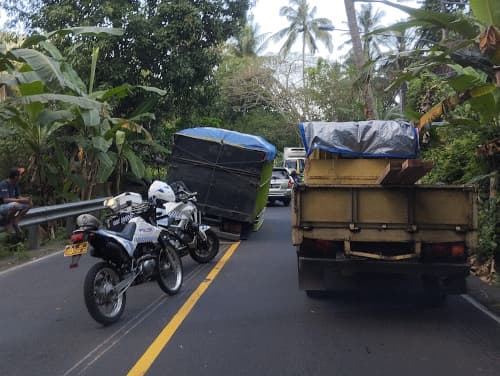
{"points": [[33, 240]]}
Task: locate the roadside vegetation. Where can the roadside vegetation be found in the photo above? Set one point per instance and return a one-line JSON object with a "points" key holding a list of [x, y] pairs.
{"points": [[91, 95]]}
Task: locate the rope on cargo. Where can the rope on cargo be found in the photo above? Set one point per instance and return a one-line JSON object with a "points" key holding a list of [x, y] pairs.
{"points": [[204, 162]]}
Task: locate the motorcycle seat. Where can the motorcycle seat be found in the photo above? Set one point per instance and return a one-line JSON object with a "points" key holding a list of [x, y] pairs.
{"points": [[127, 232]]}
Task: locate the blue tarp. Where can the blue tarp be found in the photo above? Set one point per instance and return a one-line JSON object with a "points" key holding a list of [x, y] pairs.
{"points": [[366, 139], [247, 141]]}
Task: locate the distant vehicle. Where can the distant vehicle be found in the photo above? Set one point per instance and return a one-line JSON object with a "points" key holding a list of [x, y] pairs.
{"points": [[294, 159], [281, 186]]}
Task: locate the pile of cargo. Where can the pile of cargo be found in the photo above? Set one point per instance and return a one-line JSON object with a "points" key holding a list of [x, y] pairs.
{"points": [[365, 152], [230, 171]]}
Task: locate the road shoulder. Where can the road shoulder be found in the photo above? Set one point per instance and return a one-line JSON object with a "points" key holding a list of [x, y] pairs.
{"points": [[19, 258], [487, 295]]}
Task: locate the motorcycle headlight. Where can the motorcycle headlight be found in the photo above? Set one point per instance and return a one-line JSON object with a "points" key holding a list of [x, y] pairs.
{"points": [[111, 203]]}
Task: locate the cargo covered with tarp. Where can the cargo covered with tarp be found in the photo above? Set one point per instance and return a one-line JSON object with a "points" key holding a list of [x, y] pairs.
{"points": [[362, 139], [229, 170]]}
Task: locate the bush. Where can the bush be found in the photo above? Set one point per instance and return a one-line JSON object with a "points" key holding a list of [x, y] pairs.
{"points": [[488, 230]]}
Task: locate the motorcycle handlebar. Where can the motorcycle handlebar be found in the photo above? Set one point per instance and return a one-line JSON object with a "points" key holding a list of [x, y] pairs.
{"points": [[187, 194]]}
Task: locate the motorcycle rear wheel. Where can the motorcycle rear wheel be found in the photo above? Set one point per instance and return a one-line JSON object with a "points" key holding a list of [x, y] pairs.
{"points": [[206, 251], [170, 271], [102, 302]]}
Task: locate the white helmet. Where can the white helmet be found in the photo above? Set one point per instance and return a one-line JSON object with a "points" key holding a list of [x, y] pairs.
{"points": [[159, 190]]}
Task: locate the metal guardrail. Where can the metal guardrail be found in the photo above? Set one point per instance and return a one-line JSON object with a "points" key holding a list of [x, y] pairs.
{"points": [[39, 215]]}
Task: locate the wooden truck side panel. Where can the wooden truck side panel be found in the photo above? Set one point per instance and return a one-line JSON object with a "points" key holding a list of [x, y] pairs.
{"points": [[417, 213]]}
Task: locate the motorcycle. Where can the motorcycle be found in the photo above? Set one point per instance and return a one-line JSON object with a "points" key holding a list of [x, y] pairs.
{"points": [[139, 253], [178, 214]]}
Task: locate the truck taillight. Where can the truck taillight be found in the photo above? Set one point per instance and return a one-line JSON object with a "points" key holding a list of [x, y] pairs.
{"points": [[444, 251], [319, 248], [290, 183]]}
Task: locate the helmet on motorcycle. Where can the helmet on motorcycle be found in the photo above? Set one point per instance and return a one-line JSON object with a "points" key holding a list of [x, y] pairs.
{"points": [[160, 191], [87, 221]]}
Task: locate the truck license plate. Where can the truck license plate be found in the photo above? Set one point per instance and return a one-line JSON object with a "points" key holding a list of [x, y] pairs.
{"points": [[76, 249]]}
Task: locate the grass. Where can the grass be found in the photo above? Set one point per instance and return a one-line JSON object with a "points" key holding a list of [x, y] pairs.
{"points": [[9, 247]]}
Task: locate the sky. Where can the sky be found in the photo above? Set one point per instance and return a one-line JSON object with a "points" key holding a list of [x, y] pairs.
{"points": [[266, 15]]}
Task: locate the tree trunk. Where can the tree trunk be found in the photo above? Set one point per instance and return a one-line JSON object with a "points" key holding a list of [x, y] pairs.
{"points": [[370, 109], [493, 185], [306, 99]]}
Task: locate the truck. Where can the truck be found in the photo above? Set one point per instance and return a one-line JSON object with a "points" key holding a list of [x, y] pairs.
{"points": [[294, 159], [361, 221], [230, 171]]}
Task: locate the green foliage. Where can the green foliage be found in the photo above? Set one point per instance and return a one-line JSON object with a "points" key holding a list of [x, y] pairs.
{"points": [[332, 91], [454, 152], [271, 126], [489, 238], [171, 45], [11, 247], [486, 11], [54, 106]]}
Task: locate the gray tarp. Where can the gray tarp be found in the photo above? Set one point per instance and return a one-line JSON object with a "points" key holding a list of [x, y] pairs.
{"points": [[372, 138]]}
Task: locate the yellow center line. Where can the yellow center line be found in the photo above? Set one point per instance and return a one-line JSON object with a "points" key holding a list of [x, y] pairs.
{"points": [[146, 360]]}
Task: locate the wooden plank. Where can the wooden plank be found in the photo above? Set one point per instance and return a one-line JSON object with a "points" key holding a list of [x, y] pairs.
{"points": [[412, 170], [391, 173], [404, 173]]}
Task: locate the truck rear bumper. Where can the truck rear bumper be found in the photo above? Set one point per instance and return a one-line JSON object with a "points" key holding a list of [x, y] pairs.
{"points": [[349, 274]]}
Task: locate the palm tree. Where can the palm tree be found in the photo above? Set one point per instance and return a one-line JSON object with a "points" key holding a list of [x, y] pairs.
{"points": [[370, 20], [302, 22], [359, 58], [397, 60], [249, 42]]}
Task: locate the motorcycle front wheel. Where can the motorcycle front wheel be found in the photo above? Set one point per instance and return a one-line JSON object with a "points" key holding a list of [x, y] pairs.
{"points": [[206, 250], [170, 273], [103, 303]]}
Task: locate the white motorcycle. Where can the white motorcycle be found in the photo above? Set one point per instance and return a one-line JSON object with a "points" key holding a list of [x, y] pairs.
{"points": [[178, 214], [138, 253]]}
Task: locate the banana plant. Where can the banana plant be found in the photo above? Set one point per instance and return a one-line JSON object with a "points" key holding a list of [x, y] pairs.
{"points": [[48, 99], [488, 14], [116, 133], [476, 78]]}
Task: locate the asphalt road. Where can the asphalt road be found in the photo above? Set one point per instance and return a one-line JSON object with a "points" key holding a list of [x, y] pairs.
{"points": [[250, 319]]}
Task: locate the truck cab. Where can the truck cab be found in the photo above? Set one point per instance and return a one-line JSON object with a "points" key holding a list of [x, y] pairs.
{"points": [[294, 158]]}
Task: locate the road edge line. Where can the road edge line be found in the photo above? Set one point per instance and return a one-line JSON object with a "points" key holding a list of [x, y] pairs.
{"points": [[481, 307], [147, 359], [31, 262]]}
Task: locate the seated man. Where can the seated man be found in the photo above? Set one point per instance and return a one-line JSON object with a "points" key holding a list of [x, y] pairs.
{"points": [[13, 207]]}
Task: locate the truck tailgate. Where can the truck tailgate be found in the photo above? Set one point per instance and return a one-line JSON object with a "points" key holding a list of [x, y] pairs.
{"points": [[367, 213]]}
